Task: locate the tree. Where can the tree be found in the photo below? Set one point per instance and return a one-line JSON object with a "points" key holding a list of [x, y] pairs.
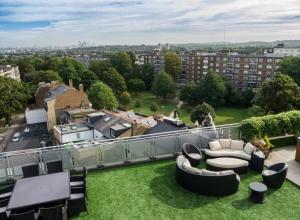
{"points": [[41, 76], [98, 67], [122, 62], [67, 70], [137, 104], [25, 66], [144, 72], [163, 85], [102, 96], [189, 94], [172, 64], [291, 67], [14, 97], [136, 85], [154, 107], [114, 80], [125, 99], [278, 95], [212, 89], [201, 111], [88, 78]]}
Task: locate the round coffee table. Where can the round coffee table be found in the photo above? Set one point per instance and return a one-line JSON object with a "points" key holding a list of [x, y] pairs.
{"points": [[257, 194]]}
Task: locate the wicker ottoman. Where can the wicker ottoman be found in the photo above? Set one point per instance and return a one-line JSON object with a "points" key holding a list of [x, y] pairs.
{"points": [[227, 163]]}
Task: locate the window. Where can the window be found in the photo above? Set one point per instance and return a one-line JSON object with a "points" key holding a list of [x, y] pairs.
{"points": [[237, 65], [78, 135]]}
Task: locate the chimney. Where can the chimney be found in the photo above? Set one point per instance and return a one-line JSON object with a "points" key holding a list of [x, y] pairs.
{"points": [[70, 83], [81, 87]]}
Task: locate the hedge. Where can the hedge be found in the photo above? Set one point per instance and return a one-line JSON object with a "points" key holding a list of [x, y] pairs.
{"points": [[271, 125]]}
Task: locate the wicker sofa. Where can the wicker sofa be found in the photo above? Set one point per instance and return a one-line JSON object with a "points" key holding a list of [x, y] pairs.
{"points": [[205, 182], [236, 149]]}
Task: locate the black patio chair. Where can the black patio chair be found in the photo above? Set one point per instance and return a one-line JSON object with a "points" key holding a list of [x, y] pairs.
{"points": [[3, 211], [78, 190], [6, 192], [50, 213], [81, 172], [55, 166], [275, 175], [30, 215], [76, 204], [192, 153], [31, 170]]}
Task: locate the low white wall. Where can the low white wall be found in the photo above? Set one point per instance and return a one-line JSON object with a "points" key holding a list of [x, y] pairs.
{"points": [[34, 116]]}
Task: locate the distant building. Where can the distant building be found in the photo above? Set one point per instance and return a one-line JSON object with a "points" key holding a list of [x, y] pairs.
{"points": [[104, 125], [10, 72], [57, 97], [281, 50], [167, 124]]}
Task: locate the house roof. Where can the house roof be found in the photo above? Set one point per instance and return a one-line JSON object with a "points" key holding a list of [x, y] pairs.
{"points": [[57, 91], [166, 126]]}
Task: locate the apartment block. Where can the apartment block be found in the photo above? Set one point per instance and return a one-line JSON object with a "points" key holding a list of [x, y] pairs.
{"points": [[9, 71]]}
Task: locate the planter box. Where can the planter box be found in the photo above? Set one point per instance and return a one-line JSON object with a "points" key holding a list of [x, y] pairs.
{"points": [[282, 141]]}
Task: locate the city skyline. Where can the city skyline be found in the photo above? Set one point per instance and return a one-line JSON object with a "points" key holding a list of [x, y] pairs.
{"points": [[43, 23]]}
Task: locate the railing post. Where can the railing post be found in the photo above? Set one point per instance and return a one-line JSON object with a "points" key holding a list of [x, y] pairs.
{"points": [[42, 166]]}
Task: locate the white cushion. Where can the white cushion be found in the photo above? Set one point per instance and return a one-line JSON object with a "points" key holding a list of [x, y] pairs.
{"points": [[186, 163], [268, 172], [209, 173], [227, 162], [249, 148], [195, 156], [227, 172], [179, 160], [238, 178], [259, 154], [237, 145], [214, 145], [193, 170], [228, 153], [225, 143]]}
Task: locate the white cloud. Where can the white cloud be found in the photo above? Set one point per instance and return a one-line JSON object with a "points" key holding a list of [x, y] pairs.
{"points": [[142, 21]]}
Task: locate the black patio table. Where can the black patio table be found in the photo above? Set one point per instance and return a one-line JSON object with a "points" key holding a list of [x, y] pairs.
{"points": [[40, 190]]}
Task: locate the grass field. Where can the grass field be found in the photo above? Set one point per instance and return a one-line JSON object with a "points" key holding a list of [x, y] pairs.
{"points": [[224, 115], [150, 191], [146, 99]]}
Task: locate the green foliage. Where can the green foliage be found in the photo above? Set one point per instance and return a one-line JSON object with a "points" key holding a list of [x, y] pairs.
{"points": [[88, 78], [163, 85], [201, 111], [125, 99], [137, 104], [212, 89], [267, 141], [144, 72], [189, 94], [14, 97], [68, 69], [154, 107], [98, 67], [102, 96], [172, 64], [278, 95], [122, 62], [271, 125], [291, 67], [114, 80], [41, 76], [256, 110], [136, 85]]}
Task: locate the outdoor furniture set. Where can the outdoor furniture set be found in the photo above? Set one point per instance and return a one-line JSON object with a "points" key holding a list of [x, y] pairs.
{"points": [[56, 195], [225, 159]]}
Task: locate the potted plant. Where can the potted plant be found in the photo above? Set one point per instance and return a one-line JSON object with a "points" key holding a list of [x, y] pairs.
{"points": [[263, 144]]}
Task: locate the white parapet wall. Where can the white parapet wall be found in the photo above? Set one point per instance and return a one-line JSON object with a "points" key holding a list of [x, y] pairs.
{"points": [[34, 116]]}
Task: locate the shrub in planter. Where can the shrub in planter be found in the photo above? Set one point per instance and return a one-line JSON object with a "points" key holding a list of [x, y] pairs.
{"points": [[263, 144]]}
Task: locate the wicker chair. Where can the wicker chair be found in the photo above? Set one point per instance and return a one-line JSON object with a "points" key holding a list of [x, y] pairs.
{"points": [[192, 153], [55, 167], [275, 175]]}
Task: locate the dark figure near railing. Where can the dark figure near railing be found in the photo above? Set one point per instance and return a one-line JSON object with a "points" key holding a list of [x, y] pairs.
{"points": [[275, 175], [55, 167]]}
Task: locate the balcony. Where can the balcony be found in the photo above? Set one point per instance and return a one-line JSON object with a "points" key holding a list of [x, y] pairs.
{"points": [[121, 185]]}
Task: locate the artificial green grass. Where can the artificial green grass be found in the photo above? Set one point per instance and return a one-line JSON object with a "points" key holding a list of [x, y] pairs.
{"points": [[146, 99], [149, 191], [224, 115]]}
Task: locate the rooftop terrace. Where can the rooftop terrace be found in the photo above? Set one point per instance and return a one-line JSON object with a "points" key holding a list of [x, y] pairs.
{"points": [[150, 191]]}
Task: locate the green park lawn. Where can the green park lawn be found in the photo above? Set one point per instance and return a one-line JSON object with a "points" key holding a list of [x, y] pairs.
{"points": [[150, 191], [224, 115], [146, 99]]}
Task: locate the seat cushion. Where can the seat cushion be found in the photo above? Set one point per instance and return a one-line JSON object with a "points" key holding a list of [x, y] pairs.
{"points": [[228, 163], [228, 153], [227, 172], [225, 143], [76, 183], [237, 144], [259, 154], [193, 170], [76, 196], [195, 156], [249, 148], [5, 195], [268, 172], [214, 145], [179, 160], [186, 163], [209, 173]]}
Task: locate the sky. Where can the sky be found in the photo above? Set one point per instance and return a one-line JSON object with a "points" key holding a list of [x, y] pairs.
{"points": [[28, 23]]}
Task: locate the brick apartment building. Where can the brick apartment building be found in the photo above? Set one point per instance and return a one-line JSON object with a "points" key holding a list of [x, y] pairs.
{"points": [[245, 71], [10, 72]]}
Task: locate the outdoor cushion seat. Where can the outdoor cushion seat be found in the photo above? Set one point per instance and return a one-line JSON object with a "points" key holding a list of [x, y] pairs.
{"points": [[228, 153], [227, 162], [77, 183], [276, 175], [5, 195], [76, 196], [195, 156], [268, 172]]}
